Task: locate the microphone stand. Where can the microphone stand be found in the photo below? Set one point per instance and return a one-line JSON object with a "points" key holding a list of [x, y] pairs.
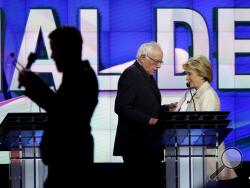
{"points": [[14, 62], [183, 101], [31, 59], [192, 96]]}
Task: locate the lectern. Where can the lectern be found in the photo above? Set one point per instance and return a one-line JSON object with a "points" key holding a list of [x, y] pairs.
{"points": [[186, 137], [20, 133]]}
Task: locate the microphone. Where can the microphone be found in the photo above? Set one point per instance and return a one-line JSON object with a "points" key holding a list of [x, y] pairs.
{"points": [[192, 96], [15, 62], [12, 54], [31, 59], [181, 102]]}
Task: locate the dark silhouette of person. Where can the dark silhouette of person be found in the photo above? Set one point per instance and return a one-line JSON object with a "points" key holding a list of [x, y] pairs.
{"points": [[67, 143], [138, 106]]}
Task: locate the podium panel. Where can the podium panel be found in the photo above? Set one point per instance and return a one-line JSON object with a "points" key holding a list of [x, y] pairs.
{"points": [[20, 134], [189, 140]]}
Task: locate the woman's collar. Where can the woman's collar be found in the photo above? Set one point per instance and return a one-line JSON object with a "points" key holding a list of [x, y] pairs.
{"points": [[201, 89]]}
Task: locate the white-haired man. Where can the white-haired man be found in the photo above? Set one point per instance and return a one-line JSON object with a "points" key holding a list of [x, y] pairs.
{"points": [[138, 105]]}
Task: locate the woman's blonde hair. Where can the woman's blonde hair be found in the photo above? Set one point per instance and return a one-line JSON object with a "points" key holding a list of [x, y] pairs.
{"points": [[201, 65]]}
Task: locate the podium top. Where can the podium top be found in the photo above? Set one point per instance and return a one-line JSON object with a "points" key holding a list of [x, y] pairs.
{"points": [[195, 120], [192, 128], [20, 129], [204, 115], [22, 121]]}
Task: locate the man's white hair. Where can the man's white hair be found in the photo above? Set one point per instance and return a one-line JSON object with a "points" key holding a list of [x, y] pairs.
{"points": [[146, 48]]}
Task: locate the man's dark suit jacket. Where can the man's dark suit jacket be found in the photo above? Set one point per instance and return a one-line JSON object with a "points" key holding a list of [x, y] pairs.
{"points": [[67, 143], [138, 99]]}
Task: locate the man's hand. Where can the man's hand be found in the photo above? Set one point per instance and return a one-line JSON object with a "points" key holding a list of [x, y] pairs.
{"points": [[172, 106], [26, 77], [152, 121]]}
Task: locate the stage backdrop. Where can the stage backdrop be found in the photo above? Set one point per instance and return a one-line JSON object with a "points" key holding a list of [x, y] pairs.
{"points": [[112, 31]]}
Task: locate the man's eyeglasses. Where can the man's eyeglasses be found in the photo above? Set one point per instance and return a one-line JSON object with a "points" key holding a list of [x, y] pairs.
{"points": [[155, 60]]}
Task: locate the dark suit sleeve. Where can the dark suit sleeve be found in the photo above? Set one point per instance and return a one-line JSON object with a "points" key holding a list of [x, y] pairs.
{"points": [[164, 108], [39, 91], [125, 99]]}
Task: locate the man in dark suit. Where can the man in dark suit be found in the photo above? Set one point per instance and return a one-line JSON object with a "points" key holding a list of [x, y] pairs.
{"points": [[67, 144], [138, 105]]}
